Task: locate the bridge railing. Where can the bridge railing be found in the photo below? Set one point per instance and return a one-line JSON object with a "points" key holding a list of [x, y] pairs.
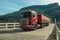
{"points": [[57, 32], [9, 25]]}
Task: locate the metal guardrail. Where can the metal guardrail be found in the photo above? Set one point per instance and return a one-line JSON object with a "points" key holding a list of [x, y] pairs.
{"points": [[6, 25]]}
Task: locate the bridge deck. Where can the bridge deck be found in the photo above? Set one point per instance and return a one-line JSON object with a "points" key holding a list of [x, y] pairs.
{"points": [[19, 34]]}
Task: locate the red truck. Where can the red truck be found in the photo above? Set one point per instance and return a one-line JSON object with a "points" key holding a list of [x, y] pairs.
{"points": [[31, 20]]}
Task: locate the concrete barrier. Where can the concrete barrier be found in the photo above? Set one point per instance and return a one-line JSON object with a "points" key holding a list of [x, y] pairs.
{"points": [[6, 25]]}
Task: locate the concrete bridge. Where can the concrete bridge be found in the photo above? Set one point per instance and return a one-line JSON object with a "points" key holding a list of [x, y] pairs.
{"points": [[19, 34]]}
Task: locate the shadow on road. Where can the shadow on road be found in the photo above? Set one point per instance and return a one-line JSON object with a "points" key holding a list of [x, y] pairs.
{"points": [[12, 31]]}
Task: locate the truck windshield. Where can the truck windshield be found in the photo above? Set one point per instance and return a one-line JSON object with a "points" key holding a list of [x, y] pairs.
{"points": [[26, 15]]}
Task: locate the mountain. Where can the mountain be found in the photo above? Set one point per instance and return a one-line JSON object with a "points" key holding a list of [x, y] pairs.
{"points": [[54, 13], [40, 8], [50, 10]]}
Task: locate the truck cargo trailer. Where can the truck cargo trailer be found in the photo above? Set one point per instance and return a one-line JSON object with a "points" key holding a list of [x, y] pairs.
{"points": [[31, 20]]}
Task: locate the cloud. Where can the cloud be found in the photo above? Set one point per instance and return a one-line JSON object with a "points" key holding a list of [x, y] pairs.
{"points": [[43, 2], [51, 1], [59, 2], [9, 6], [14, 5]]}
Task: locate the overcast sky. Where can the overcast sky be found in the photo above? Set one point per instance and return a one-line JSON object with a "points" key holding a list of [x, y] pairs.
{"points": [[8, 6]]}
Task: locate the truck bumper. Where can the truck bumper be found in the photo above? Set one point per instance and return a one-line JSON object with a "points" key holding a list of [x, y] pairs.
{"points": [[29, 27]]}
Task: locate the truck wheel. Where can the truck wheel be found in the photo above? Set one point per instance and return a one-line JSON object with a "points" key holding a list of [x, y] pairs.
{"points": [[24, 29], [41, 25], [47, 24], [27, 29]]}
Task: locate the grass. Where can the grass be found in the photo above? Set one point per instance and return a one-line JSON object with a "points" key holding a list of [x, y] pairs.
{"points": [[53, 35]]}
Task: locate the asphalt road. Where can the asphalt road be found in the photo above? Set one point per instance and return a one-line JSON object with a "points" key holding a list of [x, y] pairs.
{"points": [[19, 34]]}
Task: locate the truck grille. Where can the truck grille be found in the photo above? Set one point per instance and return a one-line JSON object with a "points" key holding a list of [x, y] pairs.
{"points": [[24, 22]]}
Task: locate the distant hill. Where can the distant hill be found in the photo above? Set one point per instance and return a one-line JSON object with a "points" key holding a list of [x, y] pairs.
{"points": [[51, 10], [40, 8], [54, 13]]}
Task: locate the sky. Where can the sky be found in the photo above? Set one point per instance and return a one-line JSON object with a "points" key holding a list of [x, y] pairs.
{"points": [[9, 6]]}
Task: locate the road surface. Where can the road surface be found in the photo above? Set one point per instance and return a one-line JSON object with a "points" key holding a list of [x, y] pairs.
{"points": [[18, 34]]}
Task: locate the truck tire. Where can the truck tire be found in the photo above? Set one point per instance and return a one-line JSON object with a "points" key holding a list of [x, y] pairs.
{"points": [[24, 29], [41, 26], [28, 30], [47, 24]]}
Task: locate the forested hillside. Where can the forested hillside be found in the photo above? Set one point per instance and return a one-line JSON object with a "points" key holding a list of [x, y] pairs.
{"points": [[50, 10]]}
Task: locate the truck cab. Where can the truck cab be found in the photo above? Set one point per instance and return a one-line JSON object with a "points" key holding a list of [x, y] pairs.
{"points": [[28, 20]]}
